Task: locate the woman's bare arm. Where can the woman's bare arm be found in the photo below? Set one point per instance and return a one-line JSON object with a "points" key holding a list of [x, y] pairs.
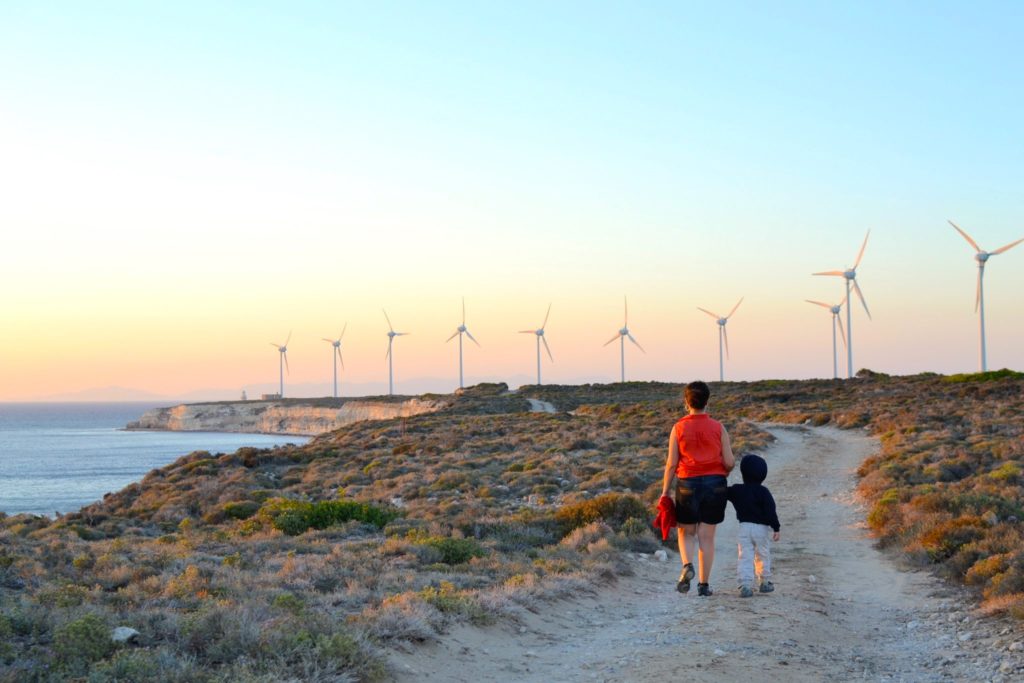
{"points": [[728, 459], [671, 462]]}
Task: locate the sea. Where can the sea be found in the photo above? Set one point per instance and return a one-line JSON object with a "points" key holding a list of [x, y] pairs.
{"points": [[57, 457]]}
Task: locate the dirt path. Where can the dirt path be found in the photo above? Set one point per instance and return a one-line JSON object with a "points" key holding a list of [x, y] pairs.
{"points": [[841, 610]]}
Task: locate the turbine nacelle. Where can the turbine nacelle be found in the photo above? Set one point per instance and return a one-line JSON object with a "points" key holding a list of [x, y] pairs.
{"points": [[981, 257], [836, 310], [850, 274], [624, 332]]}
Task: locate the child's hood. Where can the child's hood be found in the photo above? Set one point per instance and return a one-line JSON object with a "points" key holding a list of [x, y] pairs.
{"points": [[753, 468]]}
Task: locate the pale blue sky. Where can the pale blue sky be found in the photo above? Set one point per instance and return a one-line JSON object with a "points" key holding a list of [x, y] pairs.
{"points": [[372, 154]]}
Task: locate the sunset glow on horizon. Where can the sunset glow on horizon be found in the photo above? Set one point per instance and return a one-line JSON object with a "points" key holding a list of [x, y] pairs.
{"points": [[183, 186]]}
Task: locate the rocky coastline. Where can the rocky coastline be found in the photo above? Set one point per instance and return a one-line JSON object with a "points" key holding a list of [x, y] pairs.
{"points": [[287, 417]]}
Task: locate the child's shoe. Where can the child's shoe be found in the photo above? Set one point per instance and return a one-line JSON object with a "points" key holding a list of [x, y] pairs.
{"points": [[704, 589], [767, 587], [683, 585], [745, 592]]}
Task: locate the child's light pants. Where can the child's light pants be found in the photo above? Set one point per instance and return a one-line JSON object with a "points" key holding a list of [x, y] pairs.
{"points": [[755, 553]]}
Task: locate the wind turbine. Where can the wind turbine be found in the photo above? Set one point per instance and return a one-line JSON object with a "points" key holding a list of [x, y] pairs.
{"points": [[850, 274], [621, 336], [540, 338], [282, 349], [389, 357], [459, 331], [336, 356], [836, 321], [979, 300], [722, 336]]}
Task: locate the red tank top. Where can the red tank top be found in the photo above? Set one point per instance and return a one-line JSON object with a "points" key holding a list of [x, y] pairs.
{"points": [[700, 446]]}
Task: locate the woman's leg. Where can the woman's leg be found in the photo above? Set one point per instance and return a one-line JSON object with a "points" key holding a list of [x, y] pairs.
{"points": [[706, 555], [687, 534]]}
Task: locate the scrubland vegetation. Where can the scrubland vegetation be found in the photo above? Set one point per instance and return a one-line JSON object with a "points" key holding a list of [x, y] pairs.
{"points": [[310, 562]]}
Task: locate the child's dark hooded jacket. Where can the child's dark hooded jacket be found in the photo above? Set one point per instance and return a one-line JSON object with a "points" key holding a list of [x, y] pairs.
{"points": [[751, 500]]}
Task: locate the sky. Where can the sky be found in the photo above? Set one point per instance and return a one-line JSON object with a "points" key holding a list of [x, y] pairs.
{"points": [[183, 183]]}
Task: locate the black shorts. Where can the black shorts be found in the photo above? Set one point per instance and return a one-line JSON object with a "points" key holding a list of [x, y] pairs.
{"points": [[701, 499]]}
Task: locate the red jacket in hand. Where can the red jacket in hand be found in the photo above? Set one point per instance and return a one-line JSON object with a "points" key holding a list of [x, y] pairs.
{"points": [[666, 518]]}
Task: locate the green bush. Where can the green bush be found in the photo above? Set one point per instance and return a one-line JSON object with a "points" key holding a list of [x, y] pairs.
{"points": [[452, 550], [78, 643], [294, 517], [242, 509]]}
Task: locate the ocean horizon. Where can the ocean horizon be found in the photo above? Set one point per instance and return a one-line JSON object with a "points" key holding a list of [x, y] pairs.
{"points": [[56, 457]]}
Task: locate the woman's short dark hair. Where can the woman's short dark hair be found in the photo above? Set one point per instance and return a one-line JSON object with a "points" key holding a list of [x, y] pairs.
{"points": [[697, 395]]}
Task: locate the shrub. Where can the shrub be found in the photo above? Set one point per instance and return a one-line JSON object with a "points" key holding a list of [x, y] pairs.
{"points": [[78, 643], [453, 550], [241, 509], [294, 517], [613, 508]]}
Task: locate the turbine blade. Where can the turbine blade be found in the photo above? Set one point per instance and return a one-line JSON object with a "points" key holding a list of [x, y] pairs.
{"points": [[548, 349], [977, 295], [842, 332], [545, 323], [276, 346], [342, 335], [831, 272], [1009, 246], [860, 255], [388, 354], [527, 331], [967, 237], [456, 334], [725, 335], [388, 319], [286, 368], [471, 338], [860, 295], [708, 312], [734, 308], [817, 303], [635, 342], [329, 341], [402, 334], [340, 359], [617, 335]]}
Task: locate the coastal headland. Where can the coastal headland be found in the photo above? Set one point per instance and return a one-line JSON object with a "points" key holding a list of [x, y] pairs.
{"points": [[298, 416]]}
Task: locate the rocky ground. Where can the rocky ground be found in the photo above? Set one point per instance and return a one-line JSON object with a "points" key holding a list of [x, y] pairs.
{"points": [[842, 610]]}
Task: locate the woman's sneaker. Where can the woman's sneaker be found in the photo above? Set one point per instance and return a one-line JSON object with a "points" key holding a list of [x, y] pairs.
{"points": [[704, 589], [745, 592], [683, 586], [767, 587]]}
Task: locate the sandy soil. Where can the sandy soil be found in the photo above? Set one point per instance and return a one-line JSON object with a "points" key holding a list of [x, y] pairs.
{"points": [[841, 610]]}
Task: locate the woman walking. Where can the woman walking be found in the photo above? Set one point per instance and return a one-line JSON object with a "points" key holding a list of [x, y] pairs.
{"points": [[699, 457]]}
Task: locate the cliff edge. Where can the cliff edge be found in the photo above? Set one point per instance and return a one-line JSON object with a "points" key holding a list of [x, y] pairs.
{"points": [[292, 416]]}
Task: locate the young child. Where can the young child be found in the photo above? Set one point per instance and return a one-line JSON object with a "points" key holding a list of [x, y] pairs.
{"points": [[759, 526]]}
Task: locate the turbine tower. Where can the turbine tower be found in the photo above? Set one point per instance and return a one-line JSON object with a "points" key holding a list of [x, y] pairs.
{"points": [[836, 321], [336, 356], [539, 333], [282, 350], [850, 274], [389, 357], [981, 256], [722, 336], [459, 331], [621, 336]]}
